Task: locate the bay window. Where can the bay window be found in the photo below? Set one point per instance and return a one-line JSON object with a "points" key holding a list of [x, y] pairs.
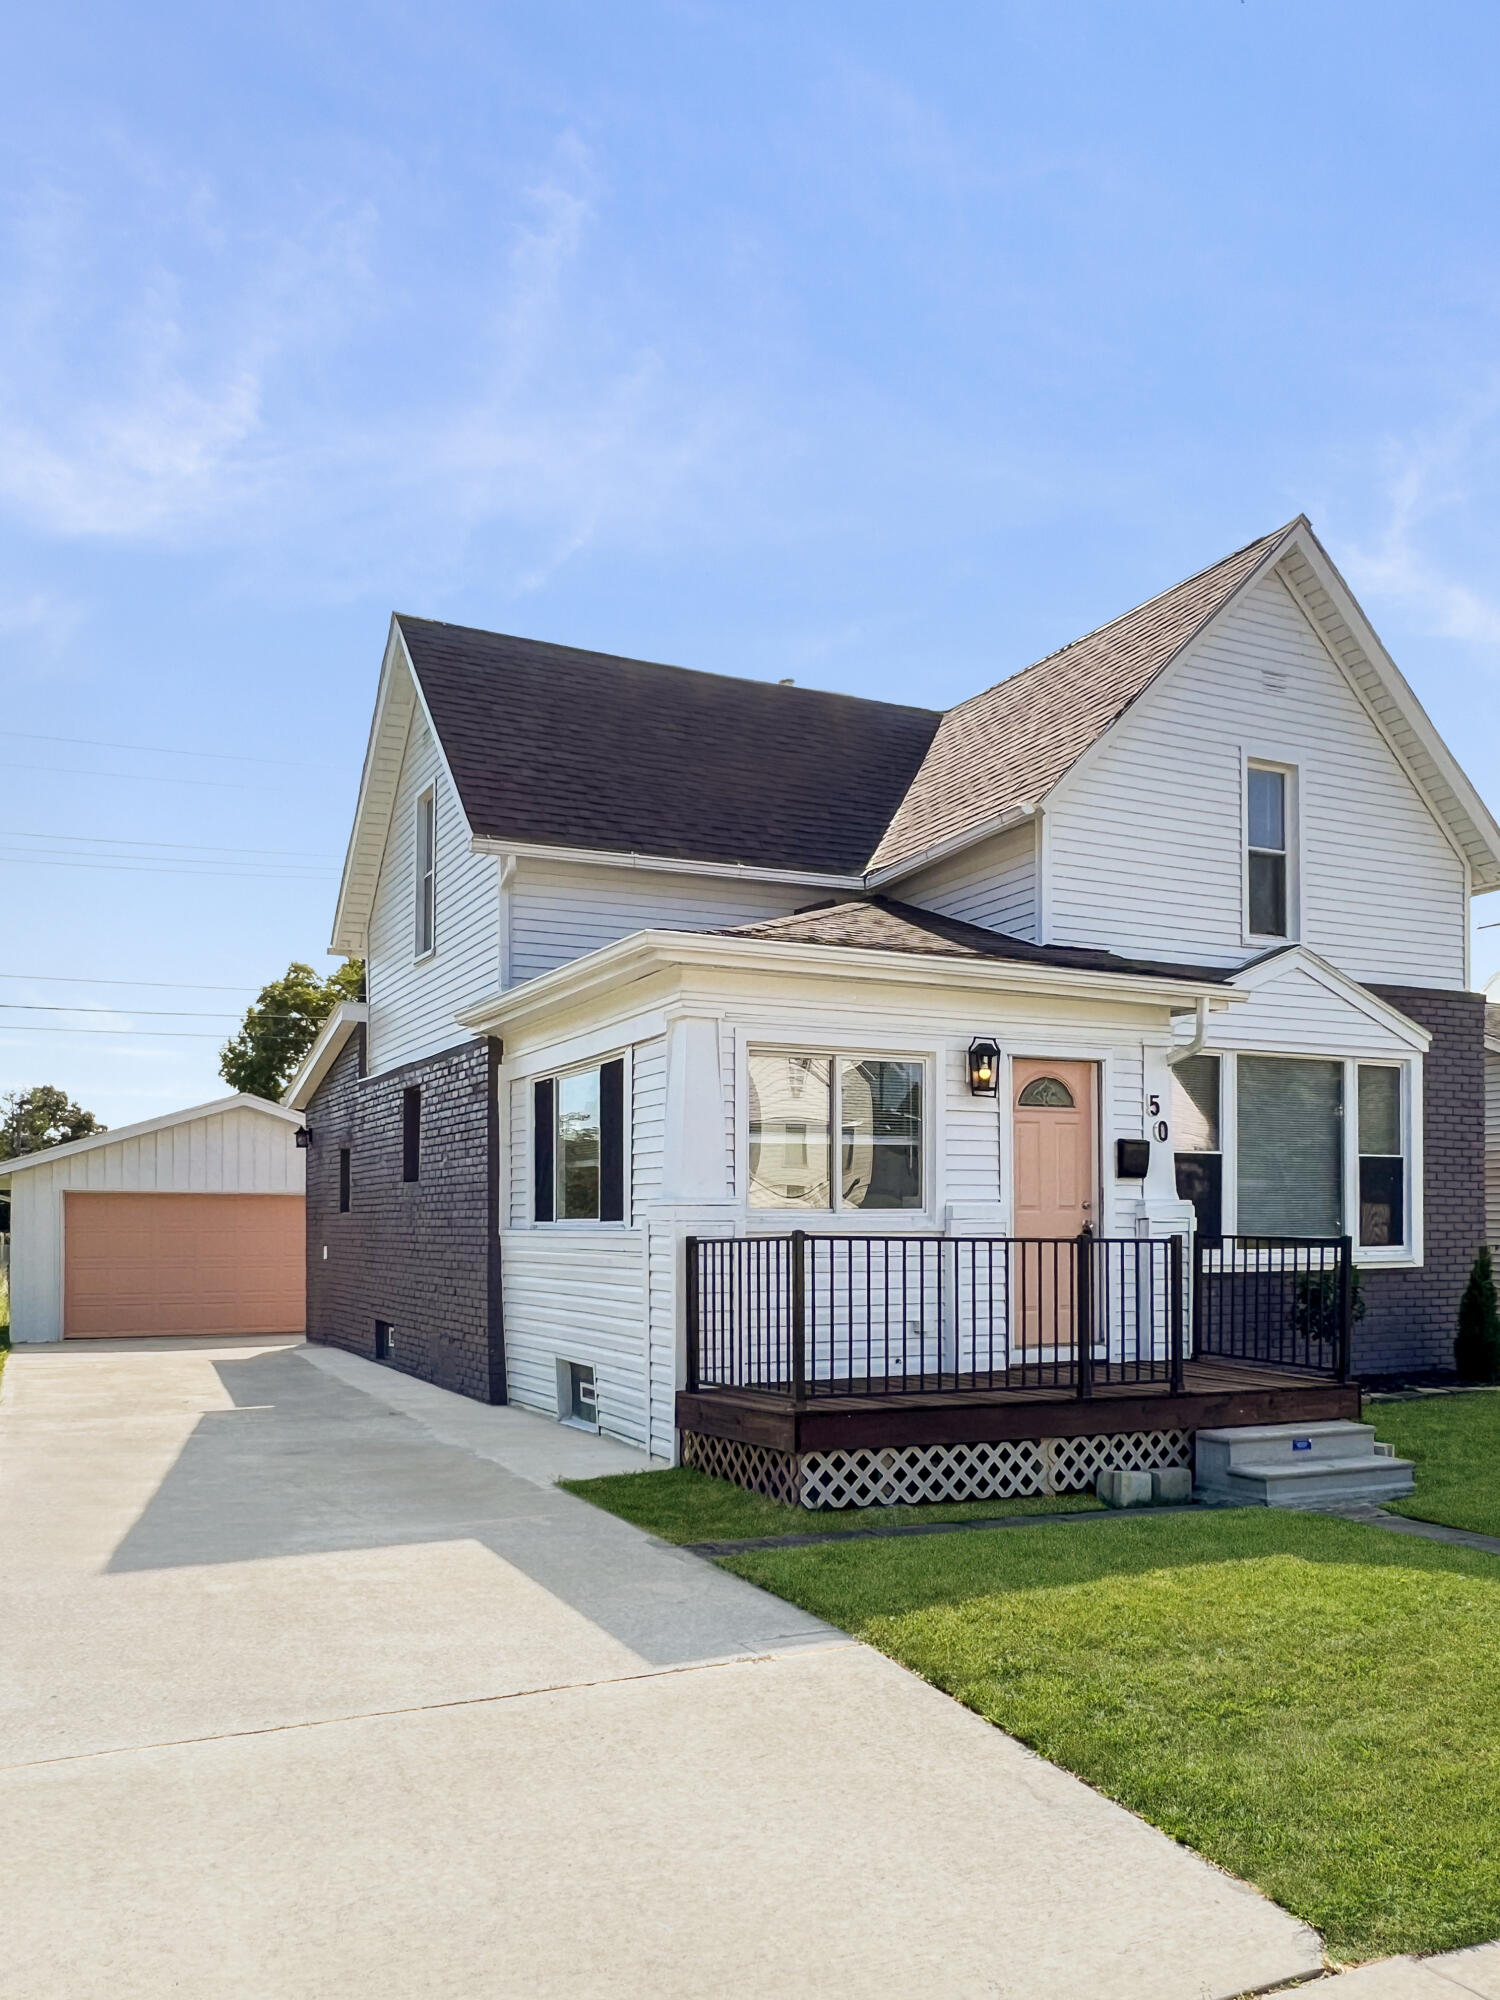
{"points": [[835, 1132]]}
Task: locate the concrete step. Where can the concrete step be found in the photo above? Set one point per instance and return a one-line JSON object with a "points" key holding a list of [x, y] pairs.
{"points": [[1297, 1465], [1356, 1482]]}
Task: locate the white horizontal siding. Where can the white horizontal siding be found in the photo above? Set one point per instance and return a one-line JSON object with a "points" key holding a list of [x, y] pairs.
{"points": [[1144, 850], [971, 1135], [992, 883], [664, 1283], [231, 1152], [558, 911], [1297, 1015], [648, 1122], [413, 1003], [578, 1297]]}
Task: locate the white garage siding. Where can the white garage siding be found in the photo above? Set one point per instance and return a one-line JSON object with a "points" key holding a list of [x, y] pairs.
{"points": [[237, 1147]]}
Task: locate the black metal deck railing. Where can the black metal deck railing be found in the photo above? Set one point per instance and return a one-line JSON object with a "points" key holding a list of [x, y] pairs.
{"points": [[813, 1315], [1275, 1301]]}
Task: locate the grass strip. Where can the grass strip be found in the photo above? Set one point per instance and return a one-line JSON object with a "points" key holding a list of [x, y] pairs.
{"points": [[1313, 1704], [684, 1505], [1455, 1442]]}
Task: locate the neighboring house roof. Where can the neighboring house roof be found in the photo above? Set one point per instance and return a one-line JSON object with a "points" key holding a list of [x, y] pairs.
{"points": [[882, 924], [320, 1058], [1005, 749], [549, 744], [1492, 1027], [241, 1101]]}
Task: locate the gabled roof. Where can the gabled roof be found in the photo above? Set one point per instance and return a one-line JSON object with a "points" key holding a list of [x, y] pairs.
{"points": [[241, 1101], [552, 745], [1002, 751], [879, 923]]}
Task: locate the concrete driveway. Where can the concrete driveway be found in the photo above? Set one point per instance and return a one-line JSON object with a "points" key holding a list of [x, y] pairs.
{"points": [[313, 1684]]}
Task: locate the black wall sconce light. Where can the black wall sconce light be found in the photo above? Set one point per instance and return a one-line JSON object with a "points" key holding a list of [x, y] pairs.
{"points": [[984, 1067], [304, 1138]]}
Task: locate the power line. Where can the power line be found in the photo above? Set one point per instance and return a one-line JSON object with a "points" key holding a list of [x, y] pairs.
{"points": [[106, 865], [74, 979], [156, 1034], [179, 846], [148, 749], [137, 777], [177, 1013]]}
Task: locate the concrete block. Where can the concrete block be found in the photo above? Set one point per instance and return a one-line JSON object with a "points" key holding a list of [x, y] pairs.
{"points": [[1124, 1489], [1172, 1486]]}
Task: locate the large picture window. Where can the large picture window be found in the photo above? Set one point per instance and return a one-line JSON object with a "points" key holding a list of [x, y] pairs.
{"points": [[578, 1145], [835, 1133], [1291, 1147]]}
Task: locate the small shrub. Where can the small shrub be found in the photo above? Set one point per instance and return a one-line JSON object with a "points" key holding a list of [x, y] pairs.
{"points": [[1476, 1351]]}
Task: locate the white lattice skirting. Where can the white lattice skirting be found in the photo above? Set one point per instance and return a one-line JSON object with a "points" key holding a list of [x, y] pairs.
{"points": [[934, 1471]]}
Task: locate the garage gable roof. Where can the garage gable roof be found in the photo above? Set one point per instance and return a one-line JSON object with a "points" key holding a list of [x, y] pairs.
{"points": [[241, 1101]]}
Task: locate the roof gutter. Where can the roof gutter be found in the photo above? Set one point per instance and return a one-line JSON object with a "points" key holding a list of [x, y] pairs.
{"points": [[939, 850], [662, 864]]}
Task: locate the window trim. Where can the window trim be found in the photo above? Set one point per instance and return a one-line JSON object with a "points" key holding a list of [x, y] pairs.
{"points": [[1253, 758], [548, 1081], [877, 1221], [424, 874], [1401, 1256]]}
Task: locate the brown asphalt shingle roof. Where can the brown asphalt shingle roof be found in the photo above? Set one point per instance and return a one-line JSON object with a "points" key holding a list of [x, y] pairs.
{"points": [[573, 749], [1011, 744], [880, 923]]}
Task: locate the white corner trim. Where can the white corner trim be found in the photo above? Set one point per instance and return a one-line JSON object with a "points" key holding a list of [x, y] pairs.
{"points": [[240, 1101], [333, 1034], [1297, 957]]}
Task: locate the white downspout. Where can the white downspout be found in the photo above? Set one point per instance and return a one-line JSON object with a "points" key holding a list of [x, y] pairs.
{"points": [[1200, 1036]]}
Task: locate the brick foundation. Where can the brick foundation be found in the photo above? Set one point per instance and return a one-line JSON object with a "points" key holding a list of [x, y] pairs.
{"points": [[419, 1255], [1411, 1316]]}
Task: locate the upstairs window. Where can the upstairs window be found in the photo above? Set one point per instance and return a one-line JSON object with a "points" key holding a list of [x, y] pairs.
{"points": [[801, 1104], [426, 873], [1267, 876], [578, 1145]]}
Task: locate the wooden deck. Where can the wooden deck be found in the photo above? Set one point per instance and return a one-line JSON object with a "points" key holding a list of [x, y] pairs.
{"points": [[1214, 1392]]}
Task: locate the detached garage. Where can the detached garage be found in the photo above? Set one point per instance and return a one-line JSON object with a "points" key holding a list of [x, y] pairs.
{"points": [[191, 1223]]}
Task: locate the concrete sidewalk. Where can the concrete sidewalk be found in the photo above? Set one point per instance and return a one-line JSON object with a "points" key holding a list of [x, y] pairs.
{"points": [[1454, 1975], [313, 1684]]}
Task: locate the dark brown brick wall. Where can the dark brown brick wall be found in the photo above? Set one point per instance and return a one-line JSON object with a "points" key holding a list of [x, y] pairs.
{"points": [[420, 1255], [1411, 1316]]}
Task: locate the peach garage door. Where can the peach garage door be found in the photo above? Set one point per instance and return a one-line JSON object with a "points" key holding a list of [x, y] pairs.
{"points": [[183, 1263]]}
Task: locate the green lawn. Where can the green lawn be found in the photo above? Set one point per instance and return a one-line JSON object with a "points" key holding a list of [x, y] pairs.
{"points": [[684, 1505], [1312, 1704], [1455, 1441]]}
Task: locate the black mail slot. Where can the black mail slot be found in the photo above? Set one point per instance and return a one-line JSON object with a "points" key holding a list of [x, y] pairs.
{"points": [[1132, 1158]]}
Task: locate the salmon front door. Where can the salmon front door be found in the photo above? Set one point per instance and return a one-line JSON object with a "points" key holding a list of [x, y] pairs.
{"points": [[1052, 1112]]}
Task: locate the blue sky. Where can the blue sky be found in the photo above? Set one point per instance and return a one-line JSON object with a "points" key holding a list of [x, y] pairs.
{"points": [[885, 347]]}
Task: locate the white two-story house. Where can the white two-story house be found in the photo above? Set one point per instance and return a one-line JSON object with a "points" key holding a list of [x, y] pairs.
{"points": [[728, 1041]]}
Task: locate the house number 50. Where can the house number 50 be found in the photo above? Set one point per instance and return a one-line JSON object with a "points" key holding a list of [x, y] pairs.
{"points": [[1159, 1126]]}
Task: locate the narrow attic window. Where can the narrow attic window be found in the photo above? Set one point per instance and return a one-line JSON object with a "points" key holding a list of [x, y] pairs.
{"points": [[426, 873]]}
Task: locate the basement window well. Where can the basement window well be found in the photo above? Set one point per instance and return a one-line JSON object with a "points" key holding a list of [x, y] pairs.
{"points": [[576, 1400]]}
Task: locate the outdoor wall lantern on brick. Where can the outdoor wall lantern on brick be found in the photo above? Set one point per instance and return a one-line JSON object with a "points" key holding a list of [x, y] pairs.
{"points": [[304, 1138], [984, 1068]]}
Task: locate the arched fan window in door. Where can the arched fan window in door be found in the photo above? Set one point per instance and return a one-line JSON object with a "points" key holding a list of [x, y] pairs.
{"points": [[1046, 1093]]}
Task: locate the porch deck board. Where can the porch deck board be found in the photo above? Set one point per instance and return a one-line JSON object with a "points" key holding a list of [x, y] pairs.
{"points": [[1215, 1392]]}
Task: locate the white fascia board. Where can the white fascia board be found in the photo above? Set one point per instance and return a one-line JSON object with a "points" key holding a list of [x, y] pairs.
{"points": [[660, 864], [644, 952], [895, 871], [240, 1101], [372, 807], [1085, 761], [1412, 712], [1266, 971], [333, 1034]]}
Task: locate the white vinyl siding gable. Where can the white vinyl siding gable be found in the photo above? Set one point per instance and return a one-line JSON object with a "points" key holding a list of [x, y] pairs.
{"points": [[1145, 844], [413, 999], [558, 911], [992, 883]]}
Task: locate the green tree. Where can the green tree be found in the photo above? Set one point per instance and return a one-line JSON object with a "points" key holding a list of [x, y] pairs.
{"points": [[282, 1024], [1476, 1351], [43, 1116]]}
